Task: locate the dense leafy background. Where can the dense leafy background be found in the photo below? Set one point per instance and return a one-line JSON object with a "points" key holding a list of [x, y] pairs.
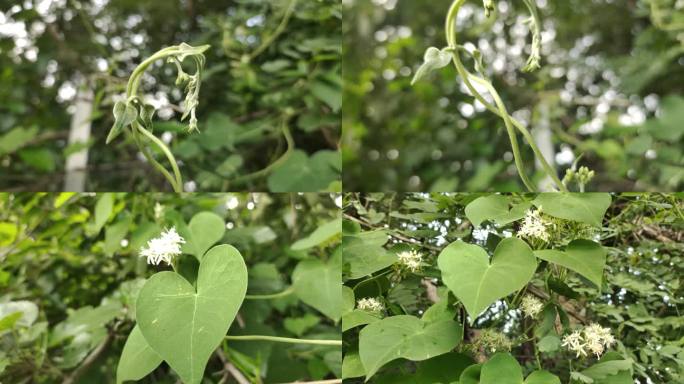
{"points": [[610, 89], [47, 46], [640, 300], [76, 258]]}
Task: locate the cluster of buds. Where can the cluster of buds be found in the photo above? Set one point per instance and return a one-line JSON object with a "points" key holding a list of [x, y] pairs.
{"points": [[531, 306], [593, 339], [370, 304], [582, 177], [534, 226], [492, 341], [410, 260]]}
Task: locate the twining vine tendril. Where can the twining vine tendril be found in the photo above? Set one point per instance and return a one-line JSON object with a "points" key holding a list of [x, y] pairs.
{"points": [[136, 114], [436, 58]]}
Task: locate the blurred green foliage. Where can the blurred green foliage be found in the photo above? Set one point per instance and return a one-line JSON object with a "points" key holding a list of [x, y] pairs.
{"points": [[70, 264], [609, 91], [268, 61]]}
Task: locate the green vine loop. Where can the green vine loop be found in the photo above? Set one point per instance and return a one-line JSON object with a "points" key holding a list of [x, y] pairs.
{"points": [[285, 129], [133, 113], [435, 59], [271, 296], [277, 32], [284, 340]]}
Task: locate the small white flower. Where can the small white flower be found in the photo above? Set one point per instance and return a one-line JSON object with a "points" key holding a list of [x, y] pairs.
{"points": [[163, 248], [370, 304], [534, 226], [531, 306], [575, 343], [593, 337], [412, 260]]}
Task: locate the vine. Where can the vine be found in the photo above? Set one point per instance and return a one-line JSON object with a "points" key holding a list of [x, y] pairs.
{"points": [[137, 115], [439, 58]]}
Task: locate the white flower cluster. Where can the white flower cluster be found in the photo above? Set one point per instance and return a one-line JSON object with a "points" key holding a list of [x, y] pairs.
{"points": [[163, 248], [534, 226], [412, 260], [531, 306], [593, 338], [370, 304]]}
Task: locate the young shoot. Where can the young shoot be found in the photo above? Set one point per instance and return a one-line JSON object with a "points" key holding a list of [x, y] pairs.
{"points": [[134, 115], [439, 58]]}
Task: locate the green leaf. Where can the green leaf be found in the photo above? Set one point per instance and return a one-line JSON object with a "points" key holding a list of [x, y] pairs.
{"points": [[542, 377], [138, 359], [471, 375], [433, 59], [184, 325], [146, 114], [103, 209], [549, 343], [358, 317], [582, 256], [321, 235], [364, 253], [502, 368], [348, 300], [299, 325], [351, 365], [16, 138], [468, 273], [8, 233], [124, 115], [588, 208], [405, 337], [494, 208], [204, 230], [8, 322], [301, 173], [40, 159], [446, 368], [328, 93], [318, 285], [607, 368]]}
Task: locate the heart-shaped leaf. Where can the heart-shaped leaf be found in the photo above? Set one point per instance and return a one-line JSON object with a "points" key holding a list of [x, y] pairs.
{"points": [[124, 115], [204, 230], [138, 359], [146, 115], [476, 282], [495, 208], [365, 254], [582, 256], [542, 377], [434, 58], [318, 285], [183, 325], [321, 235], [586, 208], [502, 368], [405, 337]]}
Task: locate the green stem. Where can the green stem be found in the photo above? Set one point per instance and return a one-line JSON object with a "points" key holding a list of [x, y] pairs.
{"points": [[178, 182], [145, 151], [499, 109], [284, 340], [263, 172], [278, 295], [278, 31]]}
